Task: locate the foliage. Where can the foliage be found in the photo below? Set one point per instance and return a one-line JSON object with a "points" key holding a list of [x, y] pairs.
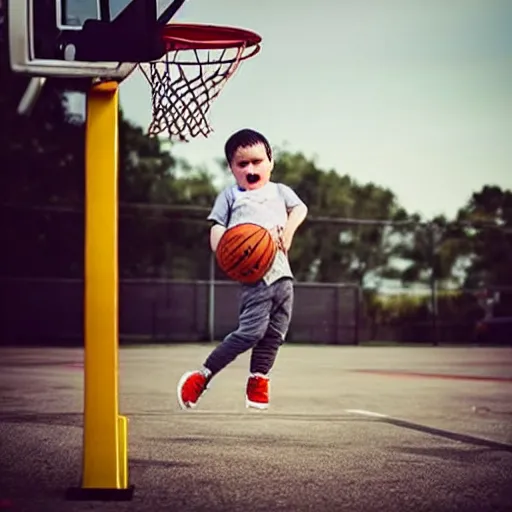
{"points": [[410, 316], [490, 248], [164, 203], [334, 252]]}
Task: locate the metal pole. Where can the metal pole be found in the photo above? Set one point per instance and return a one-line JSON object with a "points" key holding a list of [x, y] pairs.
{"points": [[433, 284], [31, 95], [104, 465], [357, 315]]}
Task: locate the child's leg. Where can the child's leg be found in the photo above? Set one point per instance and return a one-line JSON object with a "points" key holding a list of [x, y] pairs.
{"points": [[256, 303], [265, 351], [254, 318]]}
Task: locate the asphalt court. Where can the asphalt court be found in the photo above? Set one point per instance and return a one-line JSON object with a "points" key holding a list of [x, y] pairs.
{"points": [[349, 429]]}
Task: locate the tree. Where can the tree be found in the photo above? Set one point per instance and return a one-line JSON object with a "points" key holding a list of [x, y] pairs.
{"points": [[41, 154], [335, 252], [42, 190], [431, 250], [154, 242], [41, 162], [489, 243], [373, 246], [472, 250]]}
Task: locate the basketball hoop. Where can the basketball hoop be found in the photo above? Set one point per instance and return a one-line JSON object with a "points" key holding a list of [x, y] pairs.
{"points": [[198, 62]]}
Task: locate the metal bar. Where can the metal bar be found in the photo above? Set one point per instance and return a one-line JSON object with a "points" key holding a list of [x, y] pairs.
{"points": [[32, 93], [169, 13], [311, 219]]}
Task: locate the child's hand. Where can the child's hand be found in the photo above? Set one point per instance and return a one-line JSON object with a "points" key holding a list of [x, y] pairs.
{"points": [[286, 240], [277, 234]]}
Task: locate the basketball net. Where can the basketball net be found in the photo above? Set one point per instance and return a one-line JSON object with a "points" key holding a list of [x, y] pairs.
{"points": [[186, 81]]}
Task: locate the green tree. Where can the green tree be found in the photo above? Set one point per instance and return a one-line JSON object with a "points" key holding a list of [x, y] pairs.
{"points": [[488, 245], [41, 155], [41, 164], [373, 246], [472, 250], [431, 250], [42, 191], [332, 251], [153, 240]]}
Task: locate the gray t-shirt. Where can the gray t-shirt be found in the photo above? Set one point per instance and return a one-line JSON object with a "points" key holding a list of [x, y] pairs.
{"points": [[267, 206]]}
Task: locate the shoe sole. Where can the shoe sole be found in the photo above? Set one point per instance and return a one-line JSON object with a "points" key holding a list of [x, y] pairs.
{"points": [[182, 404], [255, 405]]}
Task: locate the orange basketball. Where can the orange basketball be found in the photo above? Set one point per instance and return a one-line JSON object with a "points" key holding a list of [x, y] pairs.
{"points": [[246, 252]]}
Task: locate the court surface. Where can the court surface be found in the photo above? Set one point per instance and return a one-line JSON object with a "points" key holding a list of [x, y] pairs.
{"points": [[355, 429]]}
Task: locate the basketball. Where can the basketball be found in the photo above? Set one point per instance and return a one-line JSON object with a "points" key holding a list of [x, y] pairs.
{"points": [[246, 252]]}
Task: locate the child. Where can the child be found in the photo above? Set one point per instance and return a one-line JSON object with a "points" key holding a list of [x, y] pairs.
{"points": [[266, 307]]}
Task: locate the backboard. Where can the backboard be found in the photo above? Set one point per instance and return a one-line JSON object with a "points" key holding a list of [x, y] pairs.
{"points": [[89, 41], [84, 38]]}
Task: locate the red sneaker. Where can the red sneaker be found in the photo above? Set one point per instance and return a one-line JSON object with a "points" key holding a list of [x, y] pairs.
{"points": [[190, 388], [257, 392]]}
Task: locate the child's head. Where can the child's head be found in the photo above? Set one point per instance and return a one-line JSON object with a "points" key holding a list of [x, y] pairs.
{"points": [[249, 156]]}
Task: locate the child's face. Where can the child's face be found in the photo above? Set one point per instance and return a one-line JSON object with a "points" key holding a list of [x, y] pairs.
{"points": [[251, 167]]}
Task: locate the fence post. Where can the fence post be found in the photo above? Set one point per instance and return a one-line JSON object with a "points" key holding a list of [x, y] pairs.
{"points": [[336, 311], [433, 283], [153, 316], [357, 313]]}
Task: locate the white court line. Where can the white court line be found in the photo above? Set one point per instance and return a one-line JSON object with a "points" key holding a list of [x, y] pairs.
{"points": [[362, 412], [449, 434]]}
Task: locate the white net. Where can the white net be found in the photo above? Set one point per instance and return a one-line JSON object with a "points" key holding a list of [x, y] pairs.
{"points": [[184, 84]]}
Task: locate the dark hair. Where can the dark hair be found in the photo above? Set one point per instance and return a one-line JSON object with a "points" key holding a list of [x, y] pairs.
{"points": [[243, 139]]}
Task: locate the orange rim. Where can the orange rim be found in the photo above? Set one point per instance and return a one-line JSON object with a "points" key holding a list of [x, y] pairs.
{"points": [[190, 36]]}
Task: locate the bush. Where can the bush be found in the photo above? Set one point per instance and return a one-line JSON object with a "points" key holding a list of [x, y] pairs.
{"points": [[411, 318]]}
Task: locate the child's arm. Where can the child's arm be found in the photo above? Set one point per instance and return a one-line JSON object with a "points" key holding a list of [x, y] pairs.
{"points": [[216, 233], [220, 216], [296, 216]]}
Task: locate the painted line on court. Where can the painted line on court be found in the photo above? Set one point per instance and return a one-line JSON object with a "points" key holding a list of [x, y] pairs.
{"points": [[448, 434], [427, 375], [362, 412], [484, 364]]}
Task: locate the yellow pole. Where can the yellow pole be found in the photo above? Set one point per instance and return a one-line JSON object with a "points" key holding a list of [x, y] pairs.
{"points": [[105, 473]]}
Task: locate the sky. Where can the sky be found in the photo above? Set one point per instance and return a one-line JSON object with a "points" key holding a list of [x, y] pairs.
{"points": [[411, 95]]}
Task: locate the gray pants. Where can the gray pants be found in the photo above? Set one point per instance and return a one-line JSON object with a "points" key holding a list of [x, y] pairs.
{"points": [[265, 314]]}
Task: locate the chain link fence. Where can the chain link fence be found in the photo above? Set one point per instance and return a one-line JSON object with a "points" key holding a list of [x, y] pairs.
{"points": [[160, 310], [358, 280]]}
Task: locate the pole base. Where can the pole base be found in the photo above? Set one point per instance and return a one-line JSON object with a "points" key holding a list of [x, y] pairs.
{"points": [[92, 494]]}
